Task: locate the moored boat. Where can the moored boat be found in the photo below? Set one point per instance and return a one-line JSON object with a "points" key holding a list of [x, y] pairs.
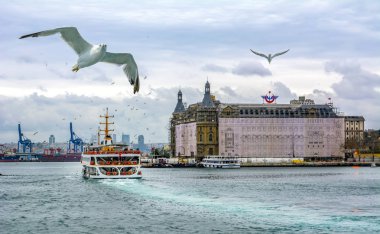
{"points": [[226, 162]]}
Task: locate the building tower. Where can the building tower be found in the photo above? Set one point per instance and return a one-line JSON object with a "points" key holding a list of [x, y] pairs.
{"points": [[179, 107], [125, 138], [51, 140], [140, 142], [207, 125], [207, 100], [114, 138]]}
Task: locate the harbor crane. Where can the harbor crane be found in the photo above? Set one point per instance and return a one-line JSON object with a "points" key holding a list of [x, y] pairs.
{"points": [[24, 141], [75, 140]]}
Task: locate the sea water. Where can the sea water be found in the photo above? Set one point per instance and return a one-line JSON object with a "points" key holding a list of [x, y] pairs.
{"points": [[54, 198]]}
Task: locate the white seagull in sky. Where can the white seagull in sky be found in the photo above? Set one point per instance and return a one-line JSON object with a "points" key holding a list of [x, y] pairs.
{"points": [[269, 57], [90, 54]]}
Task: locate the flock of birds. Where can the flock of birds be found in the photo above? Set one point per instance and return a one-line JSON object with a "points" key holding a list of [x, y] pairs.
{"points": [[89, 54]]}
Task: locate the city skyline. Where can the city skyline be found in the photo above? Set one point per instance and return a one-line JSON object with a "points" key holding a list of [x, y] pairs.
{"points": [[179, 45]]}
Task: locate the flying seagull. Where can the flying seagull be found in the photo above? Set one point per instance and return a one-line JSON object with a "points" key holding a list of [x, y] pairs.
{"points": [[269, 57], [90, 54]]}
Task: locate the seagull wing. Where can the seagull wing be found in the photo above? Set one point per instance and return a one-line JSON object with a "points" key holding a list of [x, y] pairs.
{"points": [[259, 54], [69, 34], [278, 54], [129, 67]]}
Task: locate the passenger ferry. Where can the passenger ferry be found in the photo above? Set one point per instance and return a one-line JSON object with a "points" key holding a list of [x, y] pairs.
{"points": [[107, 160], [221, 162]]}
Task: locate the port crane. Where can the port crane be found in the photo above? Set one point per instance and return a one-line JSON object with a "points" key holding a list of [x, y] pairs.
{"points": [[75, 140], [24, 142]]}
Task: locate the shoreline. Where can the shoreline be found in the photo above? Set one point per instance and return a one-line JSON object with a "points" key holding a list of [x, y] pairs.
{"points": [[304, 164]]}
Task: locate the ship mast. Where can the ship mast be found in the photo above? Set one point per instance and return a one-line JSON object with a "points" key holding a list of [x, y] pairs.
{"points": [[107, 136]]}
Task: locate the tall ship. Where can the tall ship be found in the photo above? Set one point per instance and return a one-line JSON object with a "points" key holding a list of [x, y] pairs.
{"points": [[107, 160]]}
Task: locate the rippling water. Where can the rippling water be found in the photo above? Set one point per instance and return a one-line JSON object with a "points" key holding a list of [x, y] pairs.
{"points": [[53, 198]]}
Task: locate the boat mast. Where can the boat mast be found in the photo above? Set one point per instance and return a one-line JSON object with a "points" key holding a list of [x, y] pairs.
{"points": [[107, 136]]}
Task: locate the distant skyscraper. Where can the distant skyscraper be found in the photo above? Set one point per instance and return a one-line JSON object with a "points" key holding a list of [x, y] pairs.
{"points": [[125, 139], [140, 142], [114, 138], [51, 139]]}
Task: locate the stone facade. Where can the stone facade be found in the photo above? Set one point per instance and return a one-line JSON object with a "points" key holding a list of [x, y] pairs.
{"points": [[354, 132], [281, 137], [186, 139], [299, 129]]}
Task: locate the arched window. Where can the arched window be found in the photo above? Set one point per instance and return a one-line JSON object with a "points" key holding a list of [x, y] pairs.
{"points": [[210, 137]]}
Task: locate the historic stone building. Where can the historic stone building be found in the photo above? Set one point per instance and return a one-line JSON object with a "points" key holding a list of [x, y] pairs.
{"points": [[299, 129], [354, 132], [194, 131]]}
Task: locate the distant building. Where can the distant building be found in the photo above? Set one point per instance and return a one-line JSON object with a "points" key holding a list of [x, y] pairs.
{"points": [[299, 129], [125, 139], [51, 140], [302, 101], [140, 143], [114, 140], [354, 132]]}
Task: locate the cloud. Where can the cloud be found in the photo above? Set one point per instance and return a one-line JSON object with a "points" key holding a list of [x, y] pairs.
{"points": [[250, 69], [283, 91], [228, 91], [356, 83], [214, 68]]}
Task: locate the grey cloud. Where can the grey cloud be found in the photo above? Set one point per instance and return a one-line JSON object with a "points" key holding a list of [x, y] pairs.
{"points": [[284, 92], [356, 83], [227, 90], [147, 115], [26, 59], [214, 68], [250, 69]]}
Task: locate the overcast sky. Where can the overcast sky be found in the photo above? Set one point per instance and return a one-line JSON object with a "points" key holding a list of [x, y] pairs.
{"points": [[334, 52]]}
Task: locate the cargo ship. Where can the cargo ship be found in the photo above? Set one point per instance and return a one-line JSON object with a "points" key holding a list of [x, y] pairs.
{"points": [[40, 157]]}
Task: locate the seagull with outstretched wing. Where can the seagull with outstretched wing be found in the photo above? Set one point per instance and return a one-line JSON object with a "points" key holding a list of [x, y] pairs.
{"points": [[269, 57], [90, 54]]}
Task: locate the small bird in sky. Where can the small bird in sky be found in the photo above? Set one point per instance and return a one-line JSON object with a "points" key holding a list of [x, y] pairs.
{"points": [[269, 57], [89, 54], [35, 133]]}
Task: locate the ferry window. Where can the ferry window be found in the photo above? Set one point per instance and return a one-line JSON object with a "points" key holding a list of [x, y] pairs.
{"points": [[241, 112], [246, 112], [251, 112]]}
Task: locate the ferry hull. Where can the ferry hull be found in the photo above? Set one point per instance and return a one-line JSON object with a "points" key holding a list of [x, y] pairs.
{"points": [[222, 166], [111, 177]]}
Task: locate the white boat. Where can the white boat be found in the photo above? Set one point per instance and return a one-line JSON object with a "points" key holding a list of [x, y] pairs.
{"points": [[110, 161], [221, 162]]}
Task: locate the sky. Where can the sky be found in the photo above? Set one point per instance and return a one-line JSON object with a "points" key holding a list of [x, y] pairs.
{"points": [[334, 53]]}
